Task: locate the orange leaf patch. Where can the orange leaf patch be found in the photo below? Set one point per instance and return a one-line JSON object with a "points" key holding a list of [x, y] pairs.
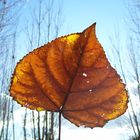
{"points": [[71, 75]]}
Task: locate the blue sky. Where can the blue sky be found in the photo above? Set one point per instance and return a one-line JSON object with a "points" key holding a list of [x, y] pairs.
{"points": [[81, 13], [108, 14]]}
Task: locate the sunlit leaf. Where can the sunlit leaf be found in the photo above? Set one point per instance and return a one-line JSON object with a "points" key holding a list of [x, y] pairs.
{"points": [[72, 75]]}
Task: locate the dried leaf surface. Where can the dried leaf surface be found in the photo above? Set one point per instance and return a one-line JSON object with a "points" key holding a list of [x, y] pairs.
{"points": [[72, 75]]}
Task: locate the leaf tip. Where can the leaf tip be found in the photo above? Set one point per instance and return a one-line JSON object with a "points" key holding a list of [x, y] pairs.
{"points": [[90, 29], [92, 26]]}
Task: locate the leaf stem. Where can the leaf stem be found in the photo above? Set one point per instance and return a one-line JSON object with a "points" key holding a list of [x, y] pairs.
{"points": [[59, 137]]}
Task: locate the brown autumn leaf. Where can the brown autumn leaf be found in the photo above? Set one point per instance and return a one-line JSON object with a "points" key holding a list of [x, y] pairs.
{"points": [[71, 75]]}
